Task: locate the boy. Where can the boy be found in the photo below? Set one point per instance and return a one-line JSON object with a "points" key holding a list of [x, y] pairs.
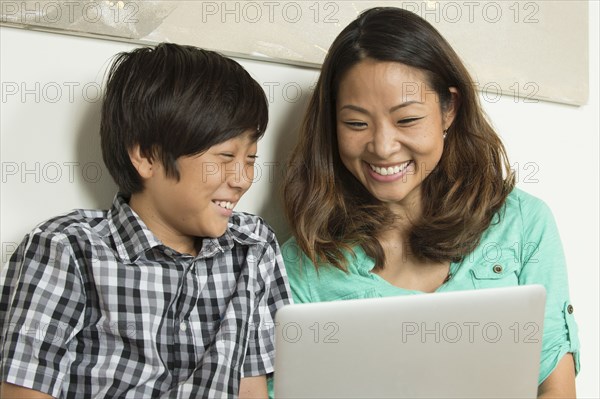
{"points": [[169, 293]]}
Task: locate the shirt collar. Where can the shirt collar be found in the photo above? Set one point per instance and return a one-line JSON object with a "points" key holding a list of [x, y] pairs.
{"points": [[364, 262], [133, 238], [131, 235], [234, 234]]}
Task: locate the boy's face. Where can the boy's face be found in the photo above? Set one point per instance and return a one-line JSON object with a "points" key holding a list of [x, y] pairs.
{"points": [[201, 202]]}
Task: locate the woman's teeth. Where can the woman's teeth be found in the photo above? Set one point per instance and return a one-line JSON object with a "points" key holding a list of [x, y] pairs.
{"points": [[391, 170], [225, 204]]}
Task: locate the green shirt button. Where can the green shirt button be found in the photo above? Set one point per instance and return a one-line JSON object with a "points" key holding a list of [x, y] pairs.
{"points": [[497, 269]]}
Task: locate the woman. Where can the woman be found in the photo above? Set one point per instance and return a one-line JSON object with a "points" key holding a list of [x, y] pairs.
{"points": [[399, 185]]}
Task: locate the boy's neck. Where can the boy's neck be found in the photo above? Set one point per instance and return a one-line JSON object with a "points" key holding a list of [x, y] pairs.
{"points": [[172, 239]]}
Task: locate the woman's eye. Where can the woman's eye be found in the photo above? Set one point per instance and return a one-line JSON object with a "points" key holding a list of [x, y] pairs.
{"points": [[227, 155], [356, 125], [407, 121]]}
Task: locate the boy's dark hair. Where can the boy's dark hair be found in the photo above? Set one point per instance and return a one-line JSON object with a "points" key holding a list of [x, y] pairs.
{"points": [[172, 101]]}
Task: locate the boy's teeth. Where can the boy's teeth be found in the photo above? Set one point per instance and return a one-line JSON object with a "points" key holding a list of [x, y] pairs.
{"points": [[224, 204], [389, 170]]}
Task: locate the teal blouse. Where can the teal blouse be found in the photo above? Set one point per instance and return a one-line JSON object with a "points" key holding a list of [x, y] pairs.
{"points": [[521, 246]]}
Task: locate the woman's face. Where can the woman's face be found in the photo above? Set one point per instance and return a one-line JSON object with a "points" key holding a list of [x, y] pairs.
{"points": [[390, 129]]}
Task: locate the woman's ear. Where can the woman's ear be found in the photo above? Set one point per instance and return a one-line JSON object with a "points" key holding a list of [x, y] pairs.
{"points": [[452, 108], [141, 163]]}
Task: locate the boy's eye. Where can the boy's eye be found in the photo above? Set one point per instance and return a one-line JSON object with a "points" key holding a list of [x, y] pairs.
{"points": [[251, 160]]}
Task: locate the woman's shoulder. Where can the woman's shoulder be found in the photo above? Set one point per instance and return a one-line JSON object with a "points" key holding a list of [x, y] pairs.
{"points": [[300, 268], [525, 204], [522, 216], [297, 260], [326, 282]]}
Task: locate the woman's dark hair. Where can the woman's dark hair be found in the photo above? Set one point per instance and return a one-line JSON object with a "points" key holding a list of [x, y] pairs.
{"points": [[330, 211], [173, 101]]}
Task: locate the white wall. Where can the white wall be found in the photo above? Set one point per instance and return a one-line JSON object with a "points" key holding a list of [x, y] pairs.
{"points": [[51, 162]]}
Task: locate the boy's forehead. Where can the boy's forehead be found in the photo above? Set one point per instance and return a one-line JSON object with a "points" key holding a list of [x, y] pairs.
{"points": [[244, 141], [248, 137]]}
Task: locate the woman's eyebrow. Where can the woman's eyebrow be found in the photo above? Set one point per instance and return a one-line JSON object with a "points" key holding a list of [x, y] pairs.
{"points": [[394, 108]]}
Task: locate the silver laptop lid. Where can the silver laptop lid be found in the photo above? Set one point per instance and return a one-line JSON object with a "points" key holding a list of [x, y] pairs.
{"points": [[466, 344]]}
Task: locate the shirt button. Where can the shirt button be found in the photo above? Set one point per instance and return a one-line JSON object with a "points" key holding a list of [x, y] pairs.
{"points": [[168, 252], [497, 269], [183, 326], [570, 309]]}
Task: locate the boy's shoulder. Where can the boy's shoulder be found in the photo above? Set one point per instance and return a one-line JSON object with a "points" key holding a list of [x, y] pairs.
{"points": [[88, 219], [250, 229], [79, 228]]}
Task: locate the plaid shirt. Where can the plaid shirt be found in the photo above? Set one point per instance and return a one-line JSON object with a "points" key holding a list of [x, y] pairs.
{"points": [[94, 305]]}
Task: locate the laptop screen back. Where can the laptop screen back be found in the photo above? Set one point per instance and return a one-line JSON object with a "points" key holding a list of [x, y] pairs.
{"points": [[467, 344]]}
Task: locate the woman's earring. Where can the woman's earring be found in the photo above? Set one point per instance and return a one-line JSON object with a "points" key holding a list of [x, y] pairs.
{"points": [[445, 133]]}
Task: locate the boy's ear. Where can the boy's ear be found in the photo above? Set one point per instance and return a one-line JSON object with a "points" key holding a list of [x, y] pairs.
{"points": [[143, 164]]}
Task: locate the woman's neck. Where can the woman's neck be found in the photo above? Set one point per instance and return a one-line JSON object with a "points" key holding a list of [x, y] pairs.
{"points": [[405, 270]]}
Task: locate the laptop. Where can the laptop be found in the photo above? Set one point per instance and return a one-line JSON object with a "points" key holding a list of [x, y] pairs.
{"points": [[466, 344]]}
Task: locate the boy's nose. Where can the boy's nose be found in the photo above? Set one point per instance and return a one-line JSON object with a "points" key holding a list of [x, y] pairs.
{"points": [[240, 176]]}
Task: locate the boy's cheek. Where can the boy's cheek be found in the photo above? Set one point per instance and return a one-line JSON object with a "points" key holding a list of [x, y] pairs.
{"points": [[249, 173]]}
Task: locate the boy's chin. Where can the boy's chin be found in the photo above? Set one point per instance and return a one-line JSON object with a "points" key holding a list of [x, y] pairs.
{"points": [[215, 232]]}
